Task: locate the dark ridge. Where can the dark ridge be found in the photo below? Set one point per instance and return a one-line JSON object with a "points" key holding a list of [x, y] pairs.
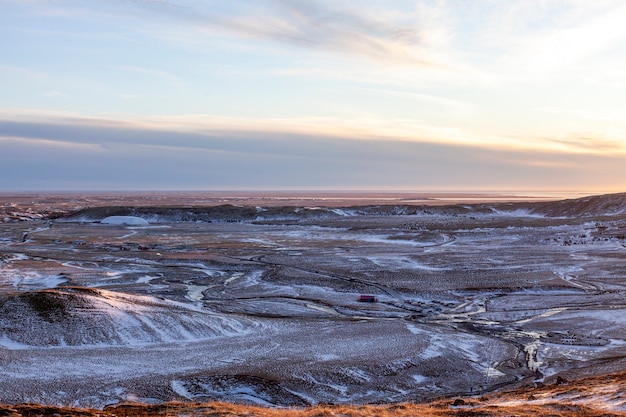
{"points": [[592, 206], [230, 213], [222, 213], [417, 210], [49, 305], [598, 205]]}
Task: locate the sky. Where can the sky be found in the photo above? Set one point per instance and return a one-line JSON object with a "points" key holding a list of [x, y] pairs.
{"points": [[433, 95]]}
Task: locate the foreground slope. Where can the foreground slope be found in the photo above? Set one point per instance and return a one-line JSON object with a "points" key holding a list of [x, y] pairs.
{"points": [[596, 396]]}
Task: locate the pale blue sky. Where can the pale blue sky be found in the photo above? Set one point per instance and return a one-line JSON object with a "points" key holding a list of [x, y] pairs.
{"points": [[421, 95]]}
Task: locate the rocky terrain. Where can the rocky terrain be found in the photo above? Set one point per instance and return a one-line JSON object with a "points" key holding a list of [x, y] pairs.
{"points": [[121, 301]]}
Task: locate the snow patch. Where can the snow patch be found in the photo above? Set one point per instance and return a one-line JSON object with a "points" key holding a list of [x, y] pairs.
{"points": [[179, 388], [145, 279], [419, 379], [9, 344], [35, 281], [517, 213], [124, 220], [414, 329], [327, 357], [195, 292], [343, 213], [401, 262]]}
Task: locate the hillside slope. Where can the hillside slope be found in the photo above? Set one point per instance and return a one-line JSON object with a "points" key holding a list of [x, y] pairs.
{"points": [[596, 396], [599, 205]]}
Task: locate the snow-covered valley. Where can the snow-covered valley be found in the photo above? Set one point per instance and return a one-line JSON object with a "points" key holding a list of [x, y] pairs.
{"points": [[265, 307]]}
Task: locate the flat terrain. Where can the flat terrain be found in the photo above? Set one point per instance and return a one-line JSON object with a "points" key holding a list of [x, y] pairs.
{"points": [[259, 303]]}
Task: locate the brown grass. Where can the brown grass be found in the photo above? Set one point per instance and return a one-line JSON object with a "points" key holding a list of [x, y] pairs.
{"points": [[471, 408]]}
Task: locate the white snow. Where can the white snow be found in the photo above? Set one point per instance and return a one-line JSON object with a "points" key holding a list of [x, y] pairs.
{"points": [[145, 279], [119, 336], [531, 353], [126, 236], [233, 278], [549, 313], [517, 213], [385, 240], [414, 329], [179, 388], [7, 343], [343, 213], [358, 374], [419, 379], [194, 292], [323, 309], [124, 220], [401, 262], [35, 281]]}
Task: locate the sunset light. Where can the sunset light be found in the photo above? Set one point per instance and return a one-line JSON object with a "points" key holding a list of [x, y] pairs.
{"points": [[416, 95]]}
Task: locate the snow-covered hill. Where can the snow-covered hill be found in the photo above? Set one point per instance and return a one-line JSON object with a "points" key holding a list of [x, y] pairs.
{"points": [[87, 317]]}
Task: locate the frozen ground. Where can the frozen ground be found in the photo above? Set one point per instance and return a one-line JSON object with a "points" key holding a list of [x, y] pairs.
{"points": [[260, 304]]}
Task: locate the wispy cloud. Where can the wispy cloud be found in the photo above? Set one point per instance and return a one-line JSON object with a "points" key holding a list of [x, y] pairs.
{"points": [[54, 93], [347, 30], [538, 38], [150, 72], [351, 29], [40, 144], [594, 144], [608, 115], [429, 98], [508, 42], [569, 45]]}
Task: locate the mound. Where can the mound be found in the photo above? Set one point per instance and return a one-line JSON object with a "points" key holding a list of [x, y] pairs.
{"points": [[83, 316]]}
